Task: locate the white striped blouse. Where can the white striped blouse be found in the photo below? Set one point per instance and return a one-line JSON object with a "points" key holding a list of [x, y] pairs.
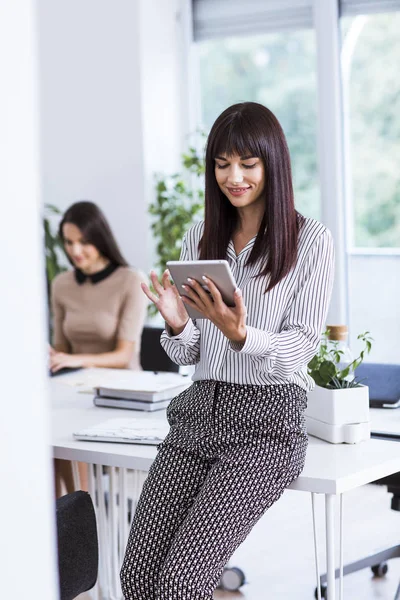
{"points": [[283, 326]]}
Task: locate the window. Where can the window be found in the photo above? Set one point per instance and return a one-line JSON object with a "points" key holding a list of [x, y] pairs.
{"points": [[277, 70], [371, 87], [370, 60]]}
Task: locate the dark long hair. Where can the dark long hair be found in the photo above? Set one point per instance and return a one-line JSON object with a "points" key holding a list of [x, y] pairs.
{"points": [[250, 129], [95, 229]]}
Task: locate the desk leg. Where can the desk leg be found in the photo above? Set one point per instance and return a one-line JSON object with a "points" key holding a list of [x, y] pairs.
{"points": [[330, 544], [115, 493], [95, 592], [341, 550], [317, 572]]}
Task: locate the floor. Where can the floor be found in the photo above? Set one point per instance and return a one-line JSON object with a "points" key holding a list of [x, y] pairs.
{"points": [[278, 556]]}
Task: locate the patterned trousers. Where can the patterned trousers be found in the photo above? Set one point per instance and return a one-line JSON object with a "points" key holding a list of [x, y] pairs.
{"points": [[231, 451]]}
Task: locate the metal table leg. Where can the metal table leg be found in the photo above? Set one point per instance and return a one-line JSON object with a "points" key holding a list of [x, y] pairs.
{"points": [[330, 544]]}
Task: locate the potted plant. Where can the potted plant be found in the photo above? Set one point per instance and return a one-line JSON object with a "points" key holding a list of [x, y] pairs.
{"points": [[338, 407]]}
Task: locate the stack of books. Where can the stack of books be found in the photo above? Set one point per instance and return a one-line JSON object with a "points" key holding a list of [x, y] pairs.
{"points": [[141, 390]]}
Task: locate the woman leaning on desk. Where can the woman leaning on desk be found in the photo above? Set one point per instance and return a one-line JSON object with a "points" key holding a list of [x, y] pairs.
{"points": [[237, 437], [98, 307]]}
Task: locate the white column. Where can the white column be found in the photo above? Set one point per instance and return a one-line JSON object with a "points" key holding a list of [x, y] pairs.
{"points": [[27, 511], [330, 146]]}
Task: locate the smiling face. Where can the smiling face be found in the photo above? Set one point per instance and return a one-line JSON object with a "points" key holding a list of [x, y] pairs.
{"points": [[84, 255], [241, 179]]}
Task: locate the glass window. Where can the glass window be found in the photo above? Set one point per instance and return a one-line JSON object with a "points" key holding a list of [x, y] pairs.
{"points": [[370, 60], [371, 86], [279, 71]]}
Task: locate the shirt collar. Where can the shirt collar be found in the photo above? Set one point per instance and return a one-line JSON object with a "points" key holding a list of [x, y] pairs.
{"points": [[81, 277], [243, 254]]}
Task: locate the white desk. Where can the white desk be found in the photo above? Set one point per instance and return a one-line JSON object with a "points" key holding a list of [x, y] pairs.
{"points": [[329, 470]]}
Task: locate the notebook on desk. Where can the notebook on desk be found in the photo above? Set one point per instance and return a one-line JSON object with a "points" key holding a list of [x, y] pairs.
{"points": [[144, 386], [130, 404], [125, 431]]}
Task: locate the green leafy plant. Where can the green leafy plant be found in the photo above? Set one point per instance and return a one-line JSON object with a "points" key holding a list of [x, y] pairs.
{"points": [[178, 204], [325, 369], [53, 244], [53, 252]]}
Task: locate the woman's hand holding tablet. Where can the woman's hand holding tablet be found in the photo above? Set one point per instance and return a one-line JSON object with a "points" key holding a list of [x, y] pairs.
{"points": [[209, 291], [204, 289]]}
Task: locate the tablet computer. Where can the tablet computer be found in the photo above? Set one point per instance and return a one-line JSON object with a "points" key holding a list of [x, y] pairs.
{"points": [[218, 271]]}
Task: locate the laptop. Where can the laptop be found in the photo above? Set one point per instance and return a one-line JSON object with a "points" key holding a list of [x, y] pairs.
{"points": [[63, 371]]}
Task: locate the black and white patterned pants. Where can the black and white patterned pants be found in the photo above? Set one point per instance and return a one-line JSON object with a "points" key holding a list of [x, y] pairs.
{"points": [[231, 451]]}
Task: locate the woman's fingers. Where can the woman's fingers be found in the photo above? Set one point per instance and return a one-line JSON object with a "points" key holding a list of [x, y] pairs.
{"points": [[239, 302], [215, 293], [168, 284], [149, 293], [190, 294], [56, 364], [197, 292], [198, 306], [165, 280], [156, 284]]}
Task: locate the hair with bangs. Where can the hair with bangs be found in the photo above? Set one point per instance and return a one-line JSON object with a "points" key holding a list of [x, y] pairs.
{"points": [[251, 129], [95, 229]]}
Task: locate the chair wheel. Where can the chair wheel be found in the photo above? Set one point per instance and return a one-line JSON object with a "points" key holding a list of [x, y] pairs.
{"points": [[324, 592], [231, 579], [380, 570]]}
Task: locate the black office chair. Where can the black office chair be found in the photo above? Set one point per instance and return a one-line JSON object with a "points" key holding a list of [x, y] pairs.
{"points": [[152, 355], [77, 542], [383, 381]]}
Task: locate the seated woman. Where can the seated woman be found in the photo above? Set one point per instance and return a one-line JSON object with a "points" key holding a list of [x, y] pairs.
{"points": [[98, 307]]}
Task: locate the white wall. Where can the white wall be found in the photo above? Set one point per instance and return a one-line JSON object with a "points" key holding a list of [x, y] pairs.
{"points": [[375, 304], [164, 115], [27, 511], [109, 84]]}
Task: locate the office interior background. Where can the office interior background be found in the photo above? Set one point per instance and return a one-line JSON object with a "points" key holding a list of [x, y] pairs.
{"points": [[98, 96]]}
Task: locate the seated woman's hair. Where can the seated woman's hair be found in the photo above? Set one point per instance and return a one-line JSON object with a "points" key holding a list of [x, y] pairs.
{"points": [[90, 219]]}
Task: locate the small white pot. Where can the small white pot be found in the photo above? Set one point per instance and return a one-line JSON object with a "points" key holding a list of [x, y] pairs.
{"points": [[339, 416]]}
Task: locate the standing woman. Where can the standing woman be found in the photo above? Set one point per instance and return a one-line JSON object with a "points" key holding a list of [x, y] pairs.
{"points": [[237, 436], [98, 307]]}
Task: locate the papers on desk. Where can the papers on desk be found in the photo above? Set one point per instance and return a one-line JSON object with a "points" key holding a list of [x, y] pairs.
{"points": [[89, 380], [126, 431]]}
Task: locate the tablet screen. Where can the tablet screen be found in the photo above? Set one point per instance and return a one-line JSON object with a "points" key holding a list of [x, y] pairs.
{"points": [[217, 270]]}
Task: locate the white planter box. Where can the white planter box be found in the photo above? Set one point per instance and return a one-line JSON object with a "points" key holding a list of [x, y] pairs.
{"points": [[339, 416]]}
